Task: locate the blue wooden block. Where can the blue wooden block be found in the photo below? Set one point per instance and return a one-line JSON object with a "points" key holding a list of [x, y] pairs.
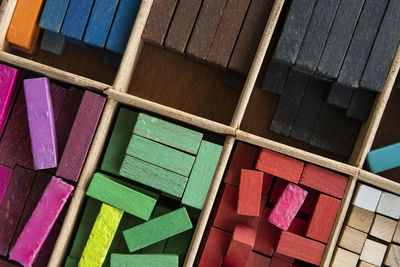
{"points": [[384, 158], [112, 59], [75, 41], [76, 18], [53, 15], [53, 42], [122, 25], [100, 22]]}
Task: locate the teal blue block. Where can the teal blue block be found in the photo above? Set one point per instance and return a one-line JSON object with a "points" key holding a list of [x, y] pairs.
{"points": [[384, 158], [53, 15], [53, 42]]}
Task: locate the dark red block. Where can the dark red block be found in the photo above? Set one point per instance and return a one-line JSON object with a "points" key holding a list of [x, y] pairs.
{"points": [[215, 248], [4, 263], [267, 182], [310, 202], [277, 190], [240, 246], [279, 262], [267, 235], [257, 260]]}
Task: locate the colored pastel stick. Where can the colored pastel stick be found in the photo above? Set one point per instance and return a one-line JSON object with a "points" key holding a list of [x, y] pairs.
{"points": [[120, 31], [34, 235], [13, 205], [240, 247], [157, 229], [384, 158], [76, 19], [250, 191], [39, 108], [215, 248], [101, 236], [53, 15], [100, 22], [80, 137], [5, 176], [202, 174], [179, 245], [119, 141], [154, 260], [107, 190], [8, 90], [53, 42], [167, 133]]}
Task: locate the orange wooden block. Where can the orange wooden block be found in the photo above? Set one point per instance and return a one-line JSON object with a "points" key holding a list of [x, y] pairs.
{"points": [[267, 182], [323, 218], [215, 248], [250, 191], [243, 158], [323, 180], [23, 28], [279, 165], [34, 47], [300, 248], [257, 260]]}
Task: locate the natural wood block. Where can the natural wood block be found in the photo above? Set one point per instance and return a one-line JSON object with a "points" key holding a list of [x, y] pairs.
{"points": [[361, 104], [384, 158], [240, 247], [323, 218], [5, 177], [383, 228], [389, 205], [157, 229], [396, 236], [257, 260], [9, 87], [373, 252], [279, 165], [352, 239], [275, 78], [53, 15], [323, 180], [393, 256], [106, 189], [76, 19], [53, 42], [300, 248], [156, 260], [179, 245], [216, 246], [366, 197], [250, 191], [267, 235], [365, 264], [344, 258], [360, 219], [267, 182]]}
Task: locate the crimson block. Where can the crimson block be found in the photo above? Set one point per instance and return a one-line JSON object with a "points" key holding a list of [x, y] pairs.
{"points": [[267, 182], [267, 235], [215, 248], [250, 191], [257, 260], [243, 158], [240, 246]]}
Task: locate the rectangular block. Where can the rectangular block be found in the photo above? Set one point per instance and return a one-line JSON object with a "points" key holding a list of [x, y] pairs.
{"points": [[267, 182], [373, 252], [366, 197], [112, 59], [340, 95], [352, 239], [47, 249], [300, 248], [383, 228], [38, 227], [275, 78], [80, 137], [8, 91], [365, 264], [393, 256], [157, 260], [101, 236], [153, 176], [168, 133], [179, 245], [267, 235], [361, 104], [346, 132], [279, 165], [53, 42], [159, 247], [157, 229], [396, 236], [384, 158], [277, 262], [215, 248], [130, 200], [53, 15], [240, 247], [76, 19], [344, 258], [5, 177], [121, 28], [257, 260], [202, 174], [99, 24], [360, 219], [389, 205], [250, 191]]}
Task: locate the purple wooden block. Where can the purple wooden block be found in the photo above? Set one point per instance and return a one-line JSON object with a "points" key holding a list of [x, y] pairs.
{"points": [[42, 128], [5, 176], [81, 136], [8, 89]]}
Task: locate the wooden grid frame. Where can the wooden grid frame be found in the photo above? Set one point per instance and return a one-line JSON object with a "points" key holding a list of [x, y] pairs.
{"points": [[117, 94]]}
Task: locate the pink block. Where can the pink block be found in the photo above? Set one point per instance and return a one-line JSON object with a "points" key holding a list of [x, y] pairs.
{"points": [[5, 176], [8, 89], [41, 222], [287, 206]]}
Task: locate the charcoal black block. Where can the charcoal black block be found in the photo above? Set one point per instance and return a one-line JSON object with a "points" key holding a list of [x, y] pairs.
{"points": [[345, 136], [340, 95], [275, 77], [361, 104]]}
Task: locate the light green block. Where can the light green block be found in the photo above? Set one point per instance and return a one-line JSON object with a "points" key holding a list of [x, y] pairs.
{"points": [[153, 260], [179, 245], [168, 133], [160, 155], [105, 189], [119, 141], [158, 247], [202, 173], [132, 221], [153, 176], [157, 229]]}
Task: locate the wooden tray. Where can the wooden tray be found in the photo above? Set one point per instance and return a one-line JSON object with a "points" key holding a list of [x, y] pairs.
{"points": [[158, 81]]}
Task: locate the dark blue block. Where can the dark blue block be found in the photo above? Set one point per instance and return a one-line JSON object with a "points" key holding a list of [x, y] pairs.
{"points": [[76, 18], [53, 15], [122, 25], [100, 22], [75, 41]]}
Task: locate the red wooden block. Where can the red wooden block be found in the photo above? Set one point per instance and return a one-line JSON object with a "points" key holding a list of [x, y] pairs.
{"points": [[288, 206], [240, 246], [13, 205], [45, 252], [310, 202], [298, 226], [278, 262], [267, 182], [250, 191], [323, 218], [257, 260], [284, 258], [215, 248], [267, 235], [226, 217], [279, 165], [277, 190], [243, 158], [323, 180], [300, 248], [80, 137]]}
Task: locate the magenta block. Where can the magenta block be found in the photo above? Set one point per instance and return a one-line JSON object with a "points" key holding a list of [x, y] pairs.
{"points": [[8, 89], [288, 205], [5, 176], [39, 108], [41, 222]]}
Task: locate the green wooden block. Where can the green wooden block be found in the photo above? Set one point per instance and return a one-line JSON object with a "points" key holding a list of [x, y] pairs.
{"points": [[119, 141], [158, 247], [71, 262], [201, 175], [168, 133], [132, 221], [101, 236], [160, 155], [157, 229], [153, 260], [179, 245], [153, 176], [105, 189]]}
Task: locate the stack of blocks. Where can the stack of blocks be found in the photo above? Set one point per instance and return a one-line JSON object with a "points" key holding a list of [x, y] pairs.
{"points": [[371, 235], [274, 211], [159, 162]]}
